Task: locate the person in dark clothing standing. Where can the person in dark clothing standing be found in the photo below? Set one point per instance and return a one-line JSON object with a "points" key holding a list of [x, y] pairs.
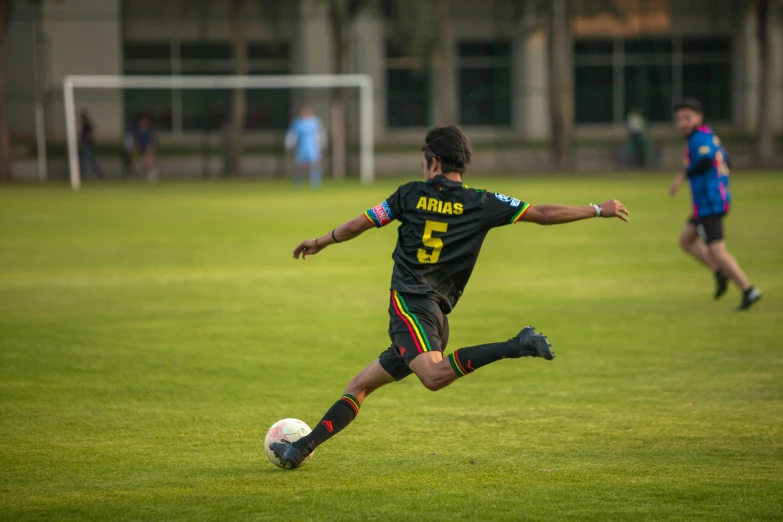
{"points": [[87, 159]]}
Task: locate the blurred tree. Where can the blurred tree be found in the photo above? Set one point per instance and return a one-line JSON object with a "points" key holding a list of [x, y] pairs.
{"points": [[239, 102], [341, 15], [767, 12], [271, 11], [561, 85], [6, 152], [6, 159]]}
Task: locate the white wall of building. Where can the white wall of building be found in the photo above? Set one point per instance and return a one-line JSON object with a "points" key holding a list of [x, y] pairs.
{"points": [[83, 37]]}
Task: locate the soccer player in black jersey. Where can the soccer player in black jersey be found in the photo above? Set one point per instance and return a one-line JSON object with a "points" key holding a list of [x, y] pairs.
{"points": [[442, 226]]}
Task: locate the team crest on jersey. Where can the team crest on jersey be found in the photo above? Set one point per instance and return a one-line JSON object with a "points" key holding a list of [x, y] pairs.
{"points": [[704, 150], [514, 202]]}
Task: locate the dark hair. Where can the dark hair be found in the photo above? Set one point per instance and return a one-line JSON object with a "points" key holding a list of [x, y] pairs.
{"points": [[689, 103], [449, 145]]}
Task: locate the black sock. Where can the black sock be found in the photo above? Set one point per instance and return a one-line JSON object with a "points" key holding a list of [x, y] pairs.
{"points": [[338, 417], [467, 360]]}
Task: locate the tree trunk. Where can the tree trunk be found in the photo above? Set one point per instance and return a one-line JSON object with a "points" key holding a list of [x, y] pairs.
{"points": [[338, 20], [445, 68], [764, 144], [6, 159], [561, 85], [239, 102]]}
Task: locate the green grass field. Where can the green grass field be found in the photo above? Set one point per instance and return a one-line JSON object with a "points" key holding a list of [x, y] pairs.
{"points": [[149, 336]]}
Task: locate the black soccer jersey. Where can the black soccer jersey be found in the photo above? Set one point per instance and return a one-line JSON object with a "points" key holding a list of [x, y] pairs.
{"points": [[443, 224]]}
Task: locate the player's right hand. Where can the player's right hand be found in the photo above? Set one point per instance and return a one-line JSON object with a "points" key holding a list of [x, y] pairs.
{"points": [[614, 208], [673, 189], [305, 248]]}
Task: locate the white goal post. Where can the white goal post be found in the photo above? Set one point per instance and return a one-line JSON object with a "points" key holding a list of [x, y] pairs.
{"points": [[362, 82]]}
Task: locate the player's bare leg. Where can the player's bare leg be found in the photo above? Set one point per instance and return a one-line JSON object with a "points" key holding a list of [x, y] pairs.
{"points": [[342, 413], [729, 266], [372, 377], [436, 372], [433, 370], [692, 244], [150, 167], [300, 171]]}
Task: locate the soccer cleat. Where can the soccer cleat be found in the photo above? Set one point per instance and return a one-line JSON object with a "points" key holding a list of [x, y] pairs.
{"points": [[534, 344], [749, 297], [290, 455], [721, 284]]}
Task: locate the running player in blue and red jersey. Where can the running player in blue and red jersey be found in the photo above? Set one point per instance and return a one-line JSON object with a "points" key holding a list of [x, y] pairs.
{"points": [[707, 170]]}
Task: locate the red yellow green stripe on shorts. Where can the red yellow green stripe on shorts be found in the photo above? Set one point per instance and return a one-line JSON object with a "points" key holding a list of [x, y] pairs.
{"points": [[521, 213], [352, 403], [412, 322]]}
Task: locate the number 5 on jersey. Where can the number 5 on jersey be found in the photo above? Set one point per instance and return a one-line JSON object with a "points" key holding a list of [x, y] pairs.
{"points": [[434, 243]]}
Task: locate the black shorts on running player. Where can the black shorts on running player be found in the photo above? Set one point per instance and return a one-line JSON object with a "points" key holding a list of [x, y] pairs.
{"points": [[416, 325], [709, 228]]}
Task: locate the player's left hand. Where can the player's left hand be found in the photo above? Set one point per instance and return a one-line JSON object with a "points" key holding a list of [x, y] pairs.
{"points": [[305, 248], [614, 208]]}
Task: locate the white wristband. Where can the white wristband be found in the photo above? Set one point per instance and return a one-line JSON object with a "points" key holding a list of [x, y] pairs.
{"points": [[597, 209]]}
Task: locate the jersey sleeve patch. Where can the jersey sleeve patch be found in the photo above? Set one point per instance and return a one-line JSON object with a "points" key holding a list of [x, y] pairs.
{"points": [[514, 202], [380, 215]]}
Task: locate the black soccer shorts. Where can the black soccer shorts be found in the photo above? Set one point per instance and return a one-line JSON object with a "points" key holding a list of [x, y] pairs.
{"points": [[416, 325], [709, 228]]}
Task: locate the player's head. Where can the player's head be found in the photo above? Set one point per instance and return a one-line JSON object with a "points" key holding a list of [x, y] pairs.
{"points": [[688, 115], [446, 150], [305, 111]]}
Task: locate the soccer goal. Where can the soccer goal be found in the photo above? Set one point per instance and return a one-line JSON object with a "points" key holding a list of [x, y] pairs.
{"points": [[362, 82]]}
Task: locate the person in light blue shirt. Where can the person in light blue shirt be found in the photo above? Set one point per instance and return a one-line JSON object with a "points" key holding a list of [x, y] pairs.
{"points": [[307, 136]]}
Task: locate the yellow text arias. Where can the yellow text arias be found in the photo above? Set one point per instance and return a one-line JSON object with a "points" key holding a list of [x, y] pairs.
{"points": [[440, 207]]}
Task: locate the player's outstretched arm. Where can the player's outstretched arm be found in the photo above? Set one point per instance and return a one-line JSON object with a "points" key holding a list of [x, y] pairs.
{"points": [[344, 232], [558, 214], [676, 183]]}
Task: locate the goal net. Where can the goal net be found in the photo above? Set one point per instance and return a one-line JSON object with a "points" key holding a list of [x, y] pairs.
{"points": [[361, 83]]}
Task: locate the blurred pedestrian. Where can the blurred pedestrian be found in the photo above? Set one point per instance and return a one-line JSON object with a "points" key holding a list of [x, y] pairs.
{"points": [[146, 141], [129, 149], [308, 137], [87, 147], [636, 125]]}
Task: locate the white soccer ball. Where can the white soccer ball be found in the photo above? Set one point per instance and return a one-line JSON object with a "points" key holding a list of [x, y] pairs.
{"points": [[285, 430]]}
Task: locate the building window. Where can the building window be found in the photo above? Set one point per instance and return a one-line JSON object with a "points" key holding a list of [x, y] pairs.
{"points": [[706, 74], [647, 77], [268, 108], [148, 58], [593, 81], [485, 83], [612, 76], [407, 91], [205, 109]]}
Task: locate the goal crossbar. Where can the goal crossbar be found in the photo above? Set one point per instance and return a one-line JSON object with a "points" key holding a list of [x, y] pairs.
{"points": [[362, 82]]}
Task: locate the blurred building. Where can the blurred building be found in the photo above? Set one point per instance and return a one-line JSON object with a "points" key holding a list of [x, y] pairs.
{"points": [[652, 53]]}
